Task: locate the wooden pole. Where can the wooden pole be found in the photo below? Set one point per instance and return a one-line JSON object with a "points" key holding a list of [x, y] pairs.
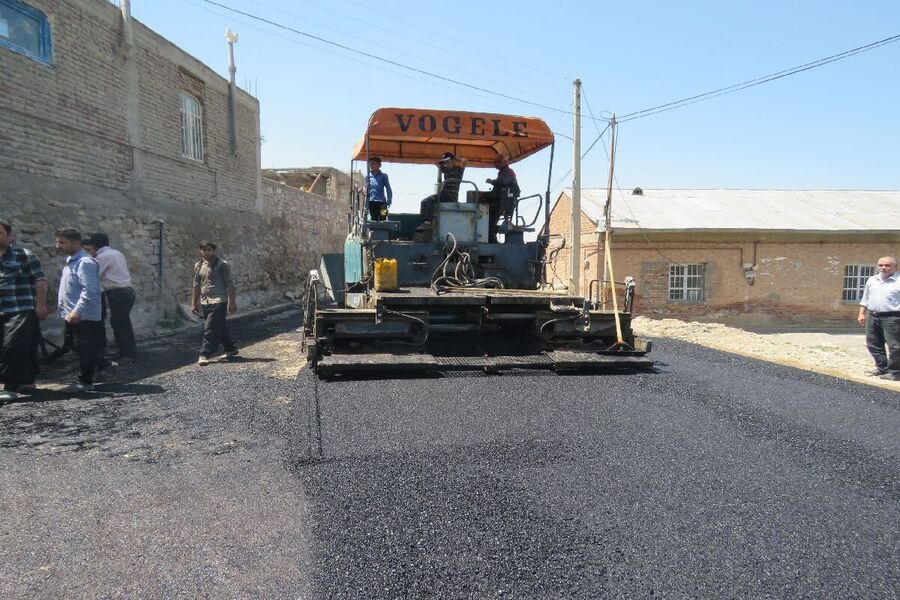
{"points": [[607, 214]]}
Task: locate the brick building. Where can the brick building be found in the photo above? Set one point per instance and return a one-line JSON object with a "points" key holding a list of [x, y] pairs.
{"points": [[107, 126], [741, 255]]}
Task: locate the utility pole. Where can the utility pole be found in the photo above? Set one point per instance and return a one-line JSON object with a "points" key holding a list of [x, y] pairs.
{"points": [[607, 213], [575, 224], [231, 37]]}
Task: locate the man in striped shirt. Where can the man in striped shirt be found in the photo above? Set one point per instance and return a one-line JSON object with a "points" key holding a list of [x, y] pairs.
{"points": [[23, 301], [451, 171]]}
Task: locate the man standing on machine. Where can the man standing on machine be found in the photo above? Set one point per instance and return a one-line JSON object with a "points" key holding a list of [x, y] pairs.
{"points": [[503, 195], [379, 191], [451, 172]]}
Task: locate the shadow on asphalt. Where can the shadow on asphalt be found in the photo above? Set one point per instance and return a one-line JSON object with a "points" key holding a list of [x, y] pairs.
{"points": [[244, 359], [111, 390], [172, 352]]}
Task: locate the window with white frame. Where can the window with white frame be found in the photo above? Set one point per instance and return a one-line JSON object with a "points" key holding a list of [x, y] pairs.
{"points": [[855, 277], [25, 30], [191, 127], [686, 282]]}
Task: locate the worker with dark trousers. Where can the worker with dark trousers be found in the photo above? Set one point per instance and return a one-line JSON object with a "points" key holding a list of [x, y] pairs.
{"points": [[879, 312], [118, 295], [79, 306], [503, 195], [23, 302], [212, 296], [379, 191]]}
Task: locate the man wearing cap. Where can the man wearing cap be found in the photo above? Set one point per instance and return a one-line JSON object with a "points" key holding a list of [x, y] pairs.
{"points": [[451, 171], [879, 311]]}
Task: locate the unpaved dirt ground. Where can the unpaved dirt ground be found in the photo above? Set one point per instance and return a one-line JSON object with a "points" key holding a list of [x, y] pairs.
{"points": [[840, 353]]}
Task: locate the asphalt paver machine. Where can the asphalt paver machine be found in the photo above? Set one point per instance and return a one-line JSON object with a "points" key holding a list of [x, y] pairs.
{"points": [[475, 296]]}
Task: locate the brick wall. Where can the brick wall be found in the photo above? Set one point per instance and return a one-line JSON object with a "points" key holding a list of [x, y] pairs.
{"points": [[560, 223], [797, 277], [93, 140]]}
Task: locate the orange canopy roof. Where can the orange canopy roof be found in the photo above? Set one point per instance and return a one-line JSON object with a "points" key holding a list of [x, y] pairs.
{"points": [[416, 135]]}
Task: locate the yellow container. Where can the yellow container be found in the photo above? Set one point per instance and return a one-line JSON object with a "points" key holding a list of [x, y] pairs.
{"points": [[386, 275]]}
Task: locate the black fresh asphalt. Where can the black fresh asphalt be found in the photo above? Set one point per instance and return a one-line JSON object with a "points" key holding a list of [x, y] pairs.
{"points": [[714, 477]]}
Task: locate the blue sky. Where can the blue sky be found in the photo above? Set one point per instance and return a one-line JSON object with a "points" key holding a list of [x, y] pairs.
{"points": [[835, 127]]}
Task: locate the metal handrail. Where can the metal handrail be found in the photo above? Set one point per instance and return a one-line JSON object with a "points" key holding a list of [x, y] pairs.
{"points": [[625, 284], [537, 212]]}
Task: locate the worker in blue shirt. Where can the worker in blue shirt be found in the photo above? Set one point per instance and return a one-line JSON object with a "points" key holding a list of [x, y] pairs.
{"points": [[379, 191], [79, 305]]}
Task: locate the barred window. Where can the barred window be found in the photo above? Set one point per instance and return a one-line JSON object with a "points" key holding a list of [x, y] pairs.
{"points": [[686, 282], [191, 127], [855, 277], [25, 30]]}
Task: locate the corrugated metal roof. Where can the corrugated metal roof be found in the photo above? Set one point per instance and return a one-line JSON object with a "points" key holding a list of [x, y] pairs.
{"points": [[783, 210]]}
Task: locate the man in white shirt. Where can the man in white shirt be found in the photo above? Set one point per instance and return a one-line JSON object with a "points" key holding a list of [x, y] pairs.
{"points": [[118, 294], [879, 311]]}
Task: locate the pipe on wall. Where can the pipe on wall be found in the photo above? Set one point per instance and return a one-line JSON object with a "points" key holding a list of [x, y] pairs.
{"points": [[162, 283]]}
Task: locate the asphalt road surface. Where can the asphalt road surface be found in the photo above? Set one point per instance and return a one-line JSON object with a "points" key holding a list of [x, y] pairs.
{"points": [[715, 477]]}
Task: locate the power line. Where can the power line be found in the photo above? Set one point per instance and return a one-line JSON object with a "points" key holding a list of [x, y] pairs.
{"points": [[385, 60], [329, 51], [631, 212], [588, 104], [654, 110], [594, 143], [417, 27], [295, 41], [387, 47], [485, 50], [583, 155]]}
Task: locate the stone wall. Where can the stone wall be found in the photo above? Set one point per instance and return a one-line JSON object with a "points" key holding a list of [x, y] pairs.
{"points": [[269, 251], [305, 225], [93, 140]]}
